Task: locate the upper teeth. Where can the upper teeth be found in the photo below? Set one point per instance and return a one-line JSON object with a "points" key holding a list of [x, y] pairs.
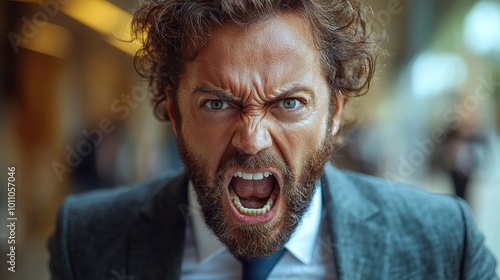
{"points": [[252, 176]]}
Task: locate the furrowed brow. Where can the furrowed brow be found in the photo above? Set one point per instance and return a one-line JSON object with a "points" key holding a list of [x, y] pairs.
{"points": [[296, 88], [216, 93]]}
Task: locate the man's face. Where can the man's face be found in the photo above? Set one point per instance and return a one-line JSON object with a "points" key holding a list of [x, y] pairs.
{"points": [[255, 130]]}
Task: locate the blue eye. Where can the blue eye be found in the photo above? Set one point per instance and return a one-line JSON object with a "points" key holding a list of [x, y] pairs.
{"points": [[216, 104], [290, 103]]}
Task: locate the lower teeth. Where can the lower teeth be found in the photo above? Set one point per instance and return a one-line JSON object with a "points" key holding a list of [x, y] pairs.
{"points": [[253, 211]]}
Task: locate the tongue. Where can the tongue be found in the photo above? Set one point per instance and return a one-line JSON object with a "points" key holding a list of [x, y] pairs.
{"points": [[253, 193]]}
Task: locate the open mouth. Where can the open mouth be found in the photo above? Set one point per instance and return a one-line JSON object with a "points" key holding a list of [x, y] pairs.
{"points": [[254, 194]]}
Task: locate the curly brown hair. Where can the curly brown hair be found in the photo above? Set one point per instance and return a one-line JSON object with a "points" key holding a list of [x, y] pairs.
{"points": [[173, 31]]}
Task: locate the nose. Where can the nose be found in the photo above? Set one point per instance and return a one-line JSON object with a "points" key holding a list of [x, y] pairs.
{"points": [[252, 138]]}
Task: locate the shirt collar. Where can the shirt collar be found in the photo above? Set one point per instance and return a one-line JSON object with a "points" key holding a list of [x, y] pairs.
{"points": [[303, 240], [207, 245], [301, 244]]}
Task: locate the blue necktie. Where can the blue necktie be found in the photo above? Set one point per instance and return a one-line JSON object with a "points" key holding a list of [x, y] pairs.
{"points": [[259, 269]]}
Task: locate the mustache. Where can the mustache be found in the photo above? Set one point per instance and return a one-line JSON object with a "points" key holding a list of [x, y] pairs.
{"points": [[262, 159]]}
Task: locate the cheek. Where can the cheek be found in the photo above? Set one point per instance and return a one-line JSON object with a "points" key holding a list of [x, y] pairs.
{"points": [[205, 142], [298, 141], [297, 144]]}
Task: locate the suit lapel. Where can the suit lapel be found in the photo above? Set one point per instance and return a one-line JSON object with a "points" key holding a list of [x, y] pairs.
{"points": [[156, 245], [359, 235]]}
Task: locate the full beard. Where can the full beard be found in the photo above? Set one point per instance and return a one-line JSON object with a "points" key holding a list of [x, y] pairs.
{"points": [[254, 241]]}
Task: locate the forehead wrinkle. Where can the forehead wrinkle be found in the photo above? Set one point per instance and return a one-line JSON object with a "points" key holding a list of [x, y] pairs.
{"points": [[256, 72], [271, 41], [257, 87]]}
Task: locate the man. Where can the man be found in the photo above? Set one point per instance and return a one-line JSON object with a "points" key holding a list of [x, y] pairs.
{"points": [[254, 91]]}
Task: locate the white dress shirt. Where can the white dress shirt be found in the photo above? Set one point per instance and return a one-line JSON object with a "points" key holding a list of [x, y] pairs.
{"points": [[308, 253]]}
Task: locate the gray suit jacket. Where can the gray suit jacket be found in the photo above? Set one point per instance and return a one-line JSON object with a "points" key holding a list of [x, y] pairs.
{"points": [[380, 230]]}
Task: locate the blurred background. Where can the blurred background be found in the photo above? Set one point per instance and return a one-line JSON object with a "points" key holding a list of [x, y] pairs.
{"points": [[74, 116]]}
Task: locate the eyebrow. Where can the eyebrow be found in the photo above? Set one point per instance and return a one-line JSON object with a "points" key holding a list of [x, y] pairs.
{"points": [[294, 89], [223, 96], [217, 93]]}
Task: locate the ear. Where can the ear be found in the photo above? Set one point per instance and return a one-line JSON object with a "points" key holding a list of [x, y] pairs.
{"points": [[337, 115], [171, 108]]}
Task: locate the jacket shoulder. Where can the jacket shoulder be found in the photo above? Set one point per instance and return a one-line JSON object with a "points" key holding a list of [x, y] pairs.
{"points": [[97, 225], [408, 213], [395, 198], [115, 206], [427, 232]]}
